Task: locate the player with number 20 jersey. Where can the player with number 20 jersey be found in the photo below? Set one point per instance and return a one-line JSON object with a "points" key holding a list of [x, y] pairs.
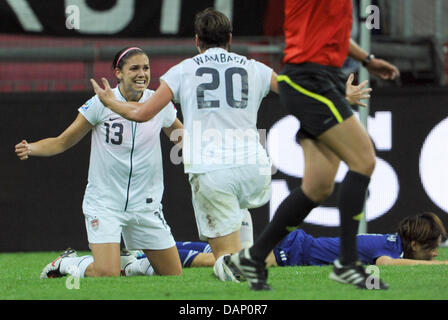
{"points": [[220, 93]]}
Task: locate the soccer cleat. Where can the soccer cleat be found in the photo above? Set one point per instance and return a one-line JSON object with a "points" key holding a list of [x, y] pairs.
{"points": [[356, 275], [126, 258], [224, 272], [255, 272], [51, 270]]}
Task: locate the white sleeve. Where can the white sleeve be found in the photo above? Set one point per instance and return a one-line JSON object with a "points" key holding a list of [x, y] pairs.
{"points": [[265, 74], [173, 79], [91, 110], [169, 115]]}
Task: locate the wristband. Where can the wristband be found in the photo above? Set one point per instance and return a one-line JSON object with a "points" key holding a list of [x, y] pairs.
{"points": [[367, 60]]}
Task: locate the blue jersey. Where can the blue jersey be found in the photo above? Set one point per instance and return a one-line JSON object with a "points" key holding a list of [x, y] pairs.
{"points": [[196, 246], [301, 249]]}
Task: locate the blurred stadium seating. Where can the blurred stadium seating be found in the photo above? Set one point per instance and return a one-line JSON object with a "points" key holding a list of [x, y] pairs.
{"points": [[412, 34], [44, 77]]}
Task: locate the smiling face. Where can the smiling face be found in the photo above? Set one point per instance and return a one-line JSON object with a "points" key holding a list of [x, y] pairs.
{"points": [[134, 76]]}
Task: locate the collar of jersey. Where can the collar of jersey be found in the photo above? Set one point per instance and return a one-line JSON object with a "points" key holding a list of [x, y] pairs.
{"points": [[214, 49], [120, 97]]}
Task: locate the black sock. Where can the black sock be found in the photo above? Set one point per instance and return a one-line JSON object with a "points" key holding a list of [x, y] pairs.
{"points": [[289, 215], [352, 195]]}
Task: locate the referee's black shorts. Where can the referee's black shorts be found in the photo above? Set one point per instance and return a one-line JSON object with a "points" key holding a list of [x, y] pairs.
{"points": [[315, 94]]}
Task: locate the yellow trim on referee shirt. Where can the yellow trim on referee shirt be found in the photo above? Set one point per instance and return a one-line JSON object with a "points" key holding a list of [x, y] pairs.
{"points": [[358, 217], [313, 95]]}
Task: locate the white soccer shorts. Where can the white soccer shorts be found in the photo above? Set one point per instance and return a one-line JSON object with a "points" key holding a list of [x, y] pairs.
{"points": [[220, 198], [140, 229]]}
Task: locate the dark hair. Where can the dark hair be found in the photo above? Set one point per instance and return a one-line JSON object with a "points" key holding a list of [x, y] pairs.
{"points": [[425, 229], [213, 28], [124, 54]]}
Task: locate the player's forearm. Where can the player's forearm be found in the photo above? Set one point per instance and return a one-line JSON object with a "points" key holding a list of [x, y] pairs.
{"points": [[47, 147], [411, 262], [407, 262], [133, 111], [128, 110], [356, 52]]}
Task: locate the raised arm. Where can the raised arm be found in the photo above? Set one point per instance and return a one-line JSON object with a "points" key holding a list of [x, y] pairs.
{"points": [[139, 112], [51, 146]]}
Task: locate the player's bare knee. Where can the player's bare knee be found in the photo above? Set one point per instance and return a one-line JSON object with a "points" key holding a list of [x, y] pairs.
{"points": [[327, 190], [364, 164], [176, 271], [320, 195], [173, 272], [319, 192], [371, 166], [367, 165]]}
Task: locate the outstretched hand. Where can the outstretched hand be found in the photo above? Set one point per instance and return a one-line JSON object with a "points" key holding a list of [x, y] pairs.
{"points": [[354, 94], [106, 95]]}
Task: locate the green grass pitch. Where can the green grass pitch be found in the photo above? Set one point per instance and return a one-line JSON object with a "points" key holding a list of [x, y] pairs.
{"points": [[19, 280]]}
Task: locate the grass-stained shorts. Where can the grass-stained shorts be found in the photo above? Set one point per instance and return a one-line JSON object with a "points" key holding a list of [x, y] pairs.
{"points": [[220, 198], [314, 94]]}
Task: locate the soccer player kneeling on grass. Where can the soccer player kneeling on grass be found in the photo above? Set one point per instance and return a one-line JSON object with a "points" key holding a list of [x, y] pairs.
{"points": [[220, 93], [125, 182]]}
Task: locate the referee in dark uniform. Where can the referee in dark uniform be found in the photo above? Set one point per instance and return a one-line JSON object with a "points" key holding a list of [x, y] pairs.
{"points": [[312, 87]]}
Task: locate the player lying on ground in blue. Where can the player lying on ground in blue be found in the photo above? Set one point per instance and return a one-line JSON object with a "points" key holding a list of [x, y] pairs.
{"points": [[125, 183], [416, 243]]}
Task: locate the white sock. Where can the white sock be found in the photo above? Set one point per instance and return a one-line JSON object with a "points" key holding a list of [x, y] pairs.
{"points": [[140, 267], [247, 232], [75, 266]]}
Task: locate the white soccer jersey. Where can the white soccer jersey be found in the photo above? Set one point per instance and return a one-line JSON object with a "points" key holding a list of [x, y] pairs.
{"points": [[125, 171], [220, 93]]}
